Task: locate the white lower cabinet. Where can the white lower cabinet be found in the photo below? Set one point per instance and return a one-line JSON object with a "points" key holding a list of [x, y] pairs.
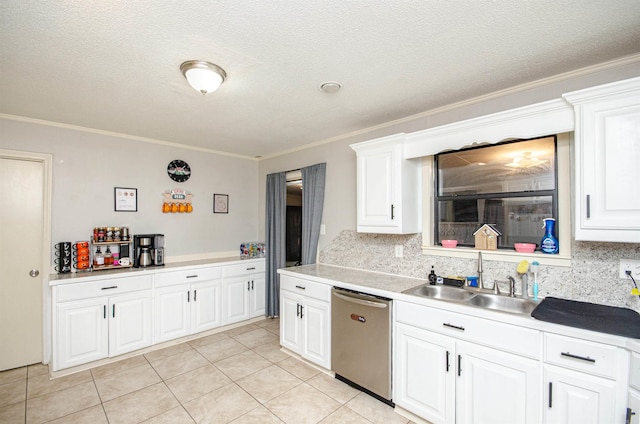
{"points": [[190, 306], [633, 408], [444, 379], [305, 319], [100, 319], [243, 291]]}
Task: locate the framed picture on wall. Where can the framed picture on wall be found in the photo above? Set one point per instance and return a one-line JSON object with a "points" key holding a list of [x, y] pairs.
{"points": [[125, 199], [220, 203]]}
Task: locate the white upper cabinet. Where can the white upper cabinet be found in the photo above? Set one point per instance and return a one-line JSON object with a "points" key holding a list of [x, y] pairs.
{"points": [[389, 187], [607, 159]]}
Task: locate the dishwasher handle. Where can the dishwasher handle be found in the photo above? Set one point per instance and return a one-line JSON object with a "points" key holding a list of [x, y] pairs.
{"points": [[359, 301]]}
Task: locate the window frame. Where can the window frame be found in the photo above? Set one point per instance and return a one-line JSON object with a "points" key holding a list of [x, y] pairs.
{"points": [[553, 193], [563, 181]]}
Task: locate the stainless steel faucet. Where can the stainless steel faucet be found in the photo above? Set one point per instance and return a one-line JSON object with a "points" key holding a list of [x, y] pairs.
{"points": [[480, 281], [512, 286]]}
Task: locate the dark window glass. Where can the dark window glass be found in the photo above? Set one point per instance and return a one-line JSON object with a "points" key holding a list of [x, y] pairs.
{"points": [[510, 185]]}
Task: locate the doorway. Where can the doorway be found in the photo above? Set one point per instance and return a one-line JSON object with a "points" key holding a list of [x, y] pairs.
{"points": [[24, 258], [294, 219]]}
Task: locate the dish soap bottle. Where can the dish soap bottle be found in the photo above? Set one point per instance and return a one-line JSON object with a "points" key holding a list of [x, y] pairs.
{"points": [[549, 242], [432, 276]]}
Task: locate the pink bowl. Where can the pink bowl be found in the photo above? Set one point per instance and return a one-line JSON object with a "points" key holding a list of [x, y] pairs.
{"points": [[449, 243], [524, 247]]}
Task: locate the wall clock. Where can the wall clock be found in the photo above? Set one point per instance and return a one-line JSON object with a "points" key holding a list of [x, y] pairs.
{"points": [[178, 170]]}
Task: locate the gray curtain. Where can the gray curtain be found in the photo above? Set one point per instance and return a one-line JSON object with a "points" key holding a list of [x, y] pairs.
{"points": [[313, 182], [275, 230]]}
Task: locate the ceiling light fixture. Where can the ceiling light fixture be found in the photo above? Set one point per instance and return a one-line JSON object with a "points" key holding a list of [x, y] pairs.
{"points": [[330, 87], [204, 77]]}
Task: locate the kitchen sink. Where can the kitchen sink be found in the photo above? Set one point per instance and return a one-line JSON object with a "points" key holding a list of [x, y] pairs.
{"points": [[476, 298], [504, 303], [441, 292]]}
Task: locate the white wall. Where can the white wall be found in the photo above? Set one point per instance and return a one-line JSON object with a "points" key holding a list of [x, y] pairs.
{"points": [[87, 166]]}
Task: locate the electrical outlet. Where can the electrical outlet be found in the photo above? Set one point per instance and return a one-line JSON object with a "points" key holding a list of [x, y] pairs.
{"points": [[632, 265], [399, 251]]}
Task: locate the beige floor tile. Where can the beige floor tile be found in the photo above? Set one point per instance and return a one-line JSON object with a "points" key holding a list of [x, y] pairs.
{"points": [[240, 330], [176, 415], [42, 384], [272, 352], [179, 364], [115, 367], [298, 368], [37, 369], [196, 383], [268, 383], [203, 341], [15, 374], [345, 415], [374, 410], [62, 403], [126, 381], [273, 326], [160, 354], [302, 404], [260, 415], [13, 392], [242, 364], [221, 406], [93, 415], [335, 389], [222, 349], [13, 414], [140, 405], [255, 338]]}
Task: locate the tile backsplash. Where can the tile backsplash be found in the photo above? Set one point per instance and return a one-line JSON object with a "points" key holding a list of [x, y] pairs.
{"points": [[592, 277]]}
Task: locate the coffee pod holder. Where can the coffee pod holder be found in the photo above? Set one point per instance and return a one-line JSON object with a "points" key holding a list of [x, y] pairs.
{"points": [[63, 258]]}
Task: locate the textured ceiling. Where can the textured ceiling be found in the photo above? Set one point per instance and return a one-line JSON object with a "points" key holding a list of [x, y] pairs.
{"points": [[114, 65]]}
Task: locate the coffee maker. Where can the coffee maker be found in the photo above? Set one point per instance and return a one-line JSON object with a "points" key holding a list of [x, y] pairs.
{"points": [[148, 250]]}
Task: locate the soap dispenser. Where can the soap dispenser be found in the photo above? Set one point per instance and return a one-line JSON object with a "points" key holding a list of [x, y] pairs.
{"points": [[432, 277]]}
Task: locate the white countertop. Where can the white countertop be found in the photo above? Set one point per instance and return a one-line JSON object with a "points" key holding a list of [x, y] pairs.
{"points": [[79, 277], [392, 286]]}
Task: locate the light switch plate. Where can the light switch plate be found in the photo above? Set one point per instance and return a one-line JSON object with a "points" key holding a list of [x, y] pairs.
{"points": [[399, 251]]}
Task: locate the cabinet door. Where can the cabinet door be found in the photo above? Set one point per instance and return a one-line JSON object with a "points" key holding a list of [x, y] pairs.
{"points": [[376, 188], [574, 397], [496, 387], [82, 332], [171, 317], [129, 322], [424, 374], [257, 296], [205, 306], [290, 322], [634, 407], [316, 323], [235, 299]]}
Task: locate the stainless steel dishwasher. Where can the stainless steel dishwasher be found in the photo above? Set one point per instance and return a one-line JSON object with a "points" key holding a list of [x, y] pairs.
{"points": [[361, 341]]}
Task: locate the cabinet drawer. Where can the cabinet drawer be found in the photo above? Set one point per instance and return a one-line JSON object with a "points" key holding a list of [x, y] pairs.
{"points": [[507, 337], [306, 288], [582, 355], [102, 288], [164, 279], [634, 375], [244, 269]]}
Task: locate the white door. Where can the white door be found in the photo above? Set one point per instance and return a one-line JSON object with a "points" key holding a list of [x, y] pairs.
{"points": [[130, 322], [22, 217], [82, 332], [496, 387], [424, 375], [578, 398], [171, 313], [235, 300], [316, 332], [290, 322], [205, 306], [258, 297]]}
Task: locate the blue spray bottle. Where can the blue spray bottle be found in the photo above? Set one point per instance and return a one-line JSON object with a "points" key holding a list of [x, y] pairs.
{"points": [[549, 242]]}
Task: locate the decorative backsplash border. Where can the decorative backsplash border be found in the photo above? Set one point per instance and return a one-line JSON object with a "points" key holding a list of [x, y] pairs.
{"points": [[592, 277]]}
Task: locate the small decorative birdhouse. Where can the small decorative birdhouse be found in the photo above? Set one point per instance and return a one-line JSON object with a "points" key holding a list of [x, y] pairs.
{"points": [[486, 237]]}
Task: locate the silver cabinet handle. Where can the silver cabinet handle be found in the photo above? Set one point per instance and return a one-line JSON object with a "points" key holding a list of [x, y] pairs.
{"points": [[109, 288], [192, 276], [455, 327], [582, 358], [252, 268], [301, 287], [588, 206]]}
